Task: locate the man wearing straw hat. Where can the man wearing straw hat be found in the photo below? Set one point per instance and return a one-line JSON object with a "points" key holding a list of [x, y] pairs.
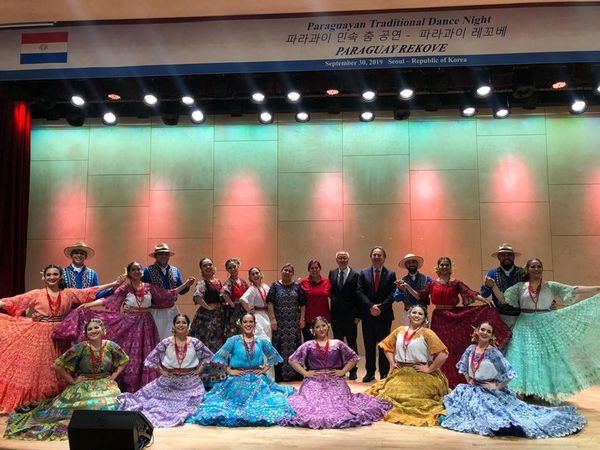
{"points": [[76, 274], [505, 276], [408, 287], [163, 275]]}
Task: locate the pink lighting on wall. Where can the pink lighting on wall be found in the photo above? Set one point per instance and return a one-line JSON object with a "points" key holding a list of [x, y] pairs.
{"points": [[243, 190], [512, 180], [326, 196]]}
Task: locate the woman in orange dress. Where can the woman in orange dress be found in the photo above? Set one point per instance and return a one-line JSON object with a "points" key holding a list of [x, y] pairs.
{"points": [[27, 352]]}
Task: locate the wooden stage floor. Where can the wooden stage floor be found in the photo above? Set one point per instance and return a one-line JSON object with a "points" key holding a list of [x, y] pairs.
{"points": [[380, 435]]}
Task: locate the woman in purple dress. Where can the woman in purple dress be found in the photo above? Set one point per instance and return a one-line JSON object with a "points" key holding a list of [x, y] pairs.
{"points": [[324, 399], [174, 396]]}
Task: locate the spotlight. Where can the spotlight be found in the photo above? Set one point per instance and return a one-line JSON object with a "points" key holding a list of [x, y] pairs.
{"points": [[77, 100], [187, 100], [432, 102], [293, 97], [367, 116], [578, 106], [197, 116], [113, 97], [401, 113], [368, 96], [483, 90], [302, 116], [150, 99], [170, 119], [407, 93], [523, 83], [75, 118], [501, 112], [468, 111], [109, 118], [265, 117], [559, 85], [598, 89], [332, 91], [258, 97]]}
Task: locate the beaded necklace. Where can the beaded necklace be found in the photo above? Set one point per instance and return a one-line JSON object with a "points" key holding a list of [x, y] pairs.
{"points": [[96, 361], [54, 303]]}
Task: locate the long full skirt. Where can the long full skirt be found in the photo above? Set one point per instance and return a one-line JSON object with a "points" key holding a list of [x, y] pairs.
{"points": [[247, 400], [49, 419], [327, 402], [166, 401], [489, 412], [135, 333], [556, 353], [453, 327], [163, 318], [27, 355], [416, 397]]}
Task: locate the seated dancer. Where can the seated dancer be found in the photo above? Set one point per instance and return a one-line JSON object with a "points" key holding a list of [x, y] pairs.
{"points": [[26, 348], [485, 405], [90, 369], [247, 397], [173, 397], [416, 386], [324, 399]]}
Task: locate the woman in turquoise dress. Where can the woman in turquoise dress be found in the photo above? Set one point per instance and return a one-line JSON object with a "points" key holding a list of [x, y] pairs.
{"points": [[555, 352], [247, 397], [485, 406], [90, 369]]}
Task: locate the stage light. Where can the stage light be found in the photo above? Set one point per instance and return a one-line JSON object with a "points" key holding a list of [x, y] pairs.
{"points": [[170, 119], [77, 100], [113, 97], [501, 112], [368, 96], [258, 97], [406, 93], [332, 91], [302, 116], [578, 106], [401, 113], [468, 111], [197, 116], [150, 99], [367, 116], [187, 100], [598, 89], [293, 97], [75, 118], [559, 85], [265, 117], [109, 118], [483, 90]]}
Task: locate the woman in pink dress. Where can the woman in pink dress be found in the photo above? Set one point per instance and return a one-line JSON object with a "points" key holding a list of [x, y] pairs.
{"points": [[27, 353]]}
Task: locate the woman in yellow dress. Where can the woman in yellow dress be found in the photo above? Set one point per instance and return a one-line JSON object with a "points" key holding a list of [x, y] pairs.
{"points": [[415, 386]]}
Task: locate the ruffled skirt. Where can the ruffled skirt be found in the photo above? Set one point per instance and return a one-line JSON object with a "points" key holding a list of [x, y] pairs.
{"points": [[166, 401], [416, 397], [490, 412], [454, 328], [327, 402], [245, 401], [27, 355], [556, 353], [135, 333], [49, 420]]}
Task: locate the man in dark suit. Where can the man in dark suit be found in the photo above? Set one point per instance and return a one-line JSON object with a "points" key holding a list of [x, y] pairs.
{"points": [[345, 314], [375, 289]]}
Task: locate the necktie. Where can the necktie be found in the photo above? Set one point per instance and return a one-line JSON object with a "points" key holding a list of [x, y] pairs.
{"points": [[341, 279], [376, 280]]}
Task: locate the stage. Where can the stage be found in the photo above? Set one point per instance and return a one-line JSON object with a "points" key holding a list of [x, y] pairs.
{"points": [[381, 435]]}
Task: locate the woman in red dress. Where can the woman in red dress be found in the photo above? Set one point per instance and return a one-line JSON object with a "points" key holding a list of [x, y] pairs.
{"points": [[316, 291], [453, 314], [232, 292]]}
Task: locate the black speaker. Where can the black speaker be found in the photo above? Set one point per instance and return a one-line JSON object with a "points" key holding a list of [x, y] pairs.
{"points": [[102, 430]]}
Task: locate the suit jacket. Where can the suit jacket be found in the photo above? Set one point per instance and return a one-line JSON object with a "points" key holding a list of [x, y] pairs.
{"points": [[344, 302], [384, 295]]}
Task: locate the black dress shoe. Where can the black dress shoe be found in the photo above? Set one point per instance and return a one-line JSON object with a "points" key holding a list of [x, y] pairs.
{"points": [[352, 376], [383, 376], [368, 378]]}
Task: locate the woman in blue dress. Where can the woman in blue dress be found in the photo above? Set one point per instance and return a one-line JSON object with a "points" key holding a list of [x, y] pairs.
{"points": [[247, 397], [485, 406]]}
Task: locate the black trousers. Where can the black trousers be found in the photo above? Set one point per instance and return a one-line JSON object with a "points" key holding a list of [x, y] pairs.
{"points": [[373, 333], [344, 327]]}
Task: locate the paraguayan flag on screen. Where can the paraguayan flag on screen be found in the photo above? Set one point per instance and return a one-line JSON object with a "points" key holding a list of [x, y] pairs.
{"points": [[44, 48]]}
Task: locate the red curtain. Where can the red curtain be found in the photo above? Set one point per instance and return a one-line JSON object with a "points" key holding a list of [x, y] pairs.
{"points": [[15, 132]]}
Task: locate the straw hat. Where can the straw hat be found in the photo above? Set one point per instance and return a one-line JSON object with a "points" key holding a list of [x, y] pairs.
{"points": [[161, 248], [79, 246], [505, 248], [411, 256]]}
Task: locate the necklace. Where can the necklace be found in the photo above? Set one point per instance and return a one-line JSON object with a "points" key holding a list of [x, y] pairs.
{"points": [[535, 298], [323, 353], [54, 303], [180, 353], [249, 347], [475, 364], [139, 294], [407, 338], [96, 361]]}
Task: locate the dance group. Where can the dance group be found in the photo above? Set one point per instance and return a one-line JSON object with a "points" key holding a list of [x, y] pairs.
{"points": [[128, 347]]}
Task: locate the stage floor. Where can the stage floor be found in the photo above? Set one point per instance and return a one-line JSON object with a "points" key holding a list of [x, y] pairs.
{"points": [[380, 435]]}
